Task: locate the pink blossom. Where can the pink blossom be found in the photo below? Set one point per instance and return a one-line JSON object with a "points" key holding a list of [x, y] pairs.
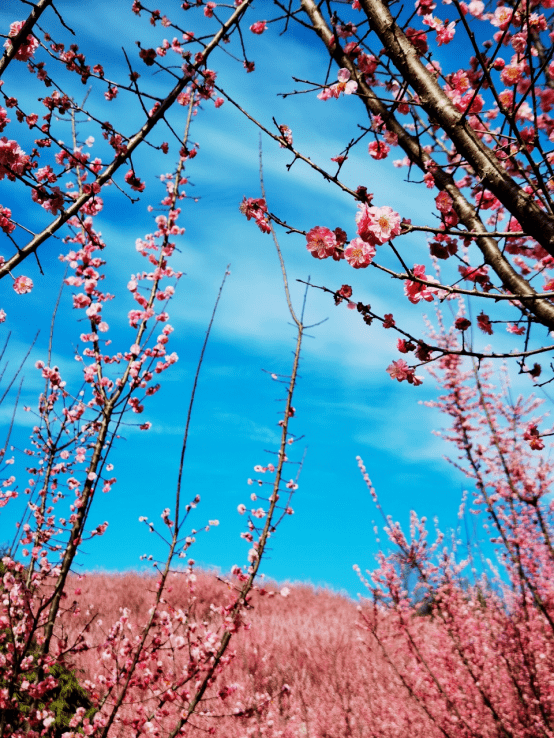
{"points": [[81, 300], [28, 48], [445, 33], [377, 225], [51, 201], [286, 133], [532, 436], [6, 224], [462, 324], [321, 242], [258, 27], [348, 29], [398, 370], [256, 208], [325, 94], [359, 254], [345, 84], [22, 285], [415, 291], [134, 182], [502, 17], [378, 150], [418, 39], [484, 323], [444, 202], [13, 160]]}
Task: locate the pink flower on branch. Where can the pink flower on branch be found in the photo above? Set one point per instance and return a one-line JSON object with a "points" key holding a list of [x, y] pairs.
{"points": [[416, 291], [484, 323], [22, 285], [377, 225], [6, 224], [259, 27], [378, 150], [27, 48], [134, 182], [400, 370], [532, 436], [445, 33], [321, 242], [344, 85], [256, 208], [359, 254]]}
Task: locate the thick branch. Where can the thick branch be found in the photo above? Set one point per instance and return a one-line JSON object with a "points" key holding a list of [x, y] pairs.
{"points": [[439, 107], [467, 214]]}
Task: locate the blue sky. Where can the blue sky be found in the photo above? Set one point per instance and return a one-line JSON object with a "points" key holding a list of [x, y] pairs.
{"points": [[346, 403]]}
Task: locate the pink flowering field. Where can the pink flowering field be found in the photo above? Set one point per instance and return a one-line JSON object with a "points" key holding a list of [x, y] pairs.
{"points": [[302, 668]]}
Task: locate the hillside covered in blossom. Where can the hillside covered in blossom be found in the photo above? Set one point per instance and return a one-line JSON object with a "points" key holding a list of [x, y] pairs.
{"points": [[302, 668]]}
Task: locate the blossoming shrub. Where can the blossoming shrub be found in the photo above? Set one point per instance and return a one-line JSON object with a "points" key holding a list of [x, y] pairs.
{"points": [[481, 663]]}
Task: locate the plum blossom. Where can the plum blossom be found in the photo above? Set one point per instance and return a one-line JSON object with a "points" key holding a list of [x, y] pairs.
{"points": [[134, 182], [6, 224], [22, 285], [502, 17], [400, 370], [344, 85], [256, 208], [532, 436], [444, 202], [484, 323], [321, 242], [462, 324], [258, 27], [286, 133], [28, 48], [359, 254], [377, 225], [445, 33], [415, 291], [13, 160], [378, 150]]}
